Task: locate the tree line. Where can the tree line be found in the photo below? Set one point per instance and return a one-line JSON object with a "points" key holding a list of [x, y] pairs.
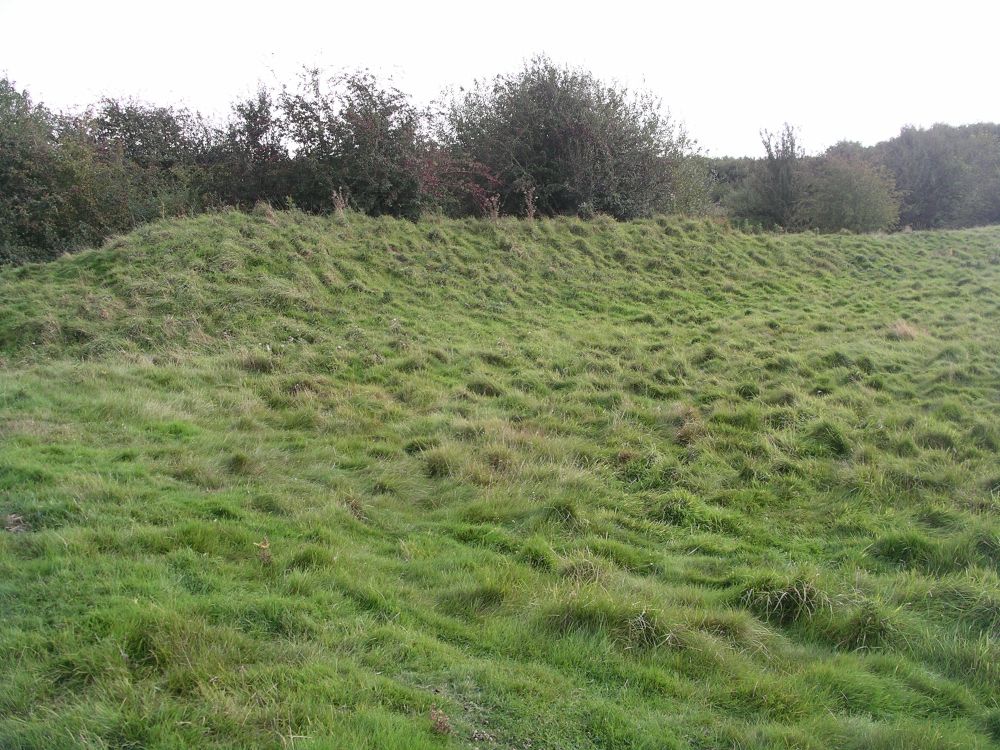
{"points": [[939, 177], [545, 140]]}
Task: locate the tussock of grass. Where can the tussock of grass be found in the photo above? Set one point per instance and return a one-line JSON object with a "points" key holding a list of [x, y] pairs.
{"points": [[537, 553], [475, 600], [276, 480], [628, 626], [484, 388], [827, 439], [867, 626], [565, 511], [441, 462], [681, 508], [786, 600], [258, 363], [583, 570]]}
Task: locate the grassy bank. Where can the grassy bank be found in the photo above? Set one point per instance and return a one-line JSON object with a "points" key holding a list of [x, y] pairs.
{"points": [[274, 480]]}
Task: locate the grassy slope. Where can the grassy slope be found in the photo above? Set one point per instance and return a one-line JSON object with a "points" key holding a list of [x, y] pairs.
{"points": [[547, 485]]}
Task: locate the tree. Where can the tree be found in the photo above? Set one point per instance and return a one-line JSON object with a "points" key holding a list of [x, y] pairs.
{"points": [[947, 176], [249, 160], [928, 175], [28, 172], [777, 185]]}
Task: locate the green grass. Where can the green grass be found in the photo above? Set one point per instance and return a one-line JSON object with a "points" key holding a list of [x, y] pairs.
{"points": [[277, 481]]}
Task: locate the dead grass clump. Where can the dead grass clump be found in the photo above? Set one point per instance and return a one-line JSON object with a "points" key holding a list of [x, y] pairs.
{"points": [[355, 508], [264, 551], [645, 632], [258, 364], [902, 331], [339, 198], [684, 422], [266, 211], [14, 524], [440, 723]]}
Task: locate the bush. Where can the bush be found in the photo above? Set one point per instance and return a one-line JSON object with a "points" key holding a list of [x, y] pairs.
{"points": [[545, 140], [454, 184], [355, 135], [561, 140], [250, 160], [68, 182], [146, 135], [42, 208], [845, 192], [775, 186]]}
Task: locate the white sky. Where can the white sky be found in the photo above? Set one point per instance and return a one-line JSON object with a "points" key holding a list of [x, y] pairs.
{"points": [[837, 70]]}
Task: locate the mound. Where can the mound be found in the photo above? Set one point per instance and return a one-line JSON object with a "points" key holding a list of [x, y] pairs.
{"points": [[275, 480]]}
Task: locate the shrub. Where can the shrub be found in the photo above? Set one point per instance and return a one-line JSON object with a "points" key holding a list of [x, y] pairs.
{"points": [[47, 199], [250, 161], [574, 144], [946, 175], [775, 185], [844, 189], [846, 192], [454, 184], [353, 133]]}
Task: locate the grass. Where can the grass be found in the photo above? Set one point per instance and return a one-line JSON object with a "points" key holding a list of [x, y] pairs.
{"points": [[274, 481]]}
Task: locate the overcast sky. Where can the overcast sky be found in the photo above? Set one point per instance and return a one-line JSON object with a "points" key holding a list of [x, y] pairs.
{"points": [[837, 70]]}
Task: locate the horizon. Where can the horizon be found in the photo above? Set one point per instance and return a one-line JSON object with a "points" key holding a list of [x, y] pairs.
{"points": [[425, 54]]}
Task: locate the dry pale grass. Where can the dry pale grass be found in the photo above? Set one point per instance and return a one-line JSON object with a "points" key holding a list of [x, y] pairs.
{"points": [[440, 723], [14, 524], [686, 423], [902, 331]]}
